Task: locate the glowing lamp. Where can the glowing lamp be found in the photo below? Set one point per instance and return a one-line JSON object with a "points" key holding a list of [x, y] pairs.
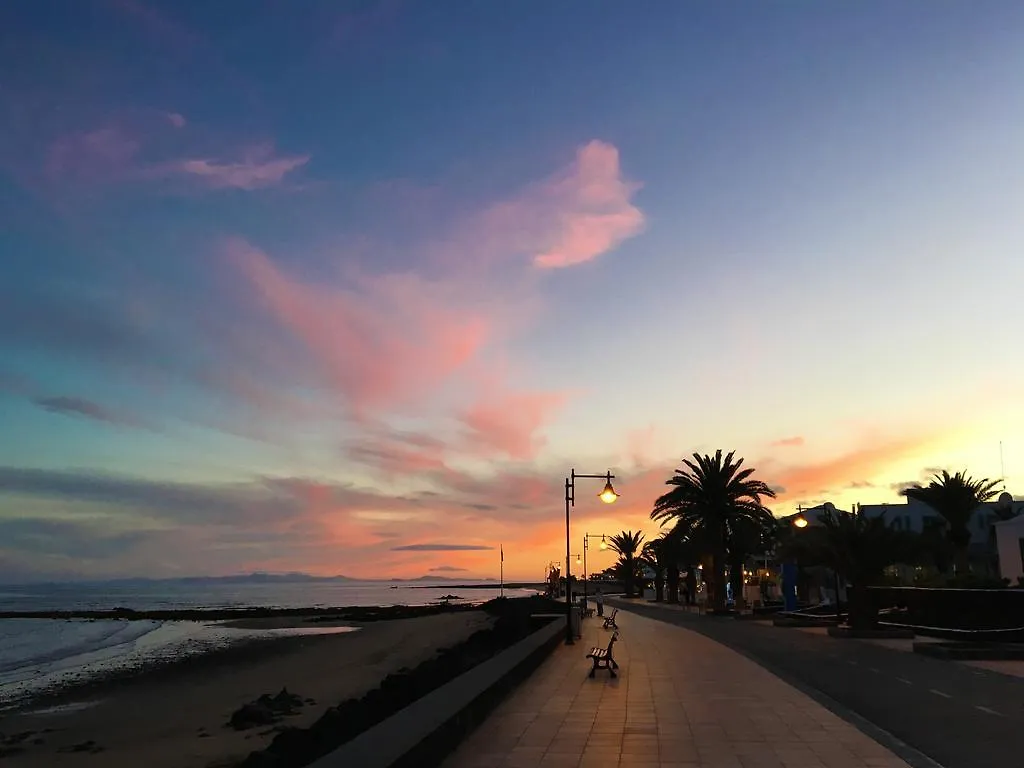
{"points": [[800, 521], [608, 495], [604, 544]]}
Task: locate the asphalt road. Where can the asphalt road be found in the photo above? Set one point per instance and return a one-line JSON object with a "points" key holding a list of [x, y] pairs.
{"points": [[958, 716]]}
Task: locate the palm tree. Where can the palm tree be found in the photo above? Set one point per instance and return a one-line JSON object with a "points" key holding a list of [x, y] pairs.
{"points": [[655, 555], [954, 498], [628, 546], [712, 495], [858, 548]]}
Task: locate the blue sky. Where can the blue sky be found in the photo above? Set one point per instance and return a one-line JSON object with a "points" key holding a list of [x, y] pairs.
{"points": [[292, 289]]}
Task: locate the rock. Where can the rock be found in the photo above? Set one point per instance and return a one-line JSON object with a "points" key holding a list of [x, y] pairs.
{"points": [[85, 746], [266, 710], [252, 715]]}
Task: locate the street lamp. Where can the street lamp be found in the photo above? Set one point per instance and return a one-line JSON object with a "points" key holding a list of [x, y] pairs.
{"points": [[607, 495], [586, 545], [801, 522]]}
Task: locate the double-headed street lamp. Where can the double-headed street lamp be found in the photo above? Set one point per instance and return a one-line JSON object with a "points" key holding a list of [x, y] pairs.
{"points": [[607, 495]]}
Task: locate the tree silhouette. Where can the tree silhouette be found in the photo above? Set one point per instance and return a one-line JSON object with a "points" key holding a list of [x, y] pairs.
{"points": [[858, 548], [628, 546], [715, 498], [955, 498]]}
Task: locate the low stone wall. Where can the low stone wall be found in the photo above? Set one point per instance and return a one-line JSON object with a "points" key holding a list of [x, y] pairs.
{"points": [[426, 731]]}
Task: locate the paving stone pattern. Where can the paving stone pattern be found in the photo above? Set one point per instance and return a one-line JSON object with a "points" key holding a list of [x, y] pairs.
{"points": [[681, 700]]}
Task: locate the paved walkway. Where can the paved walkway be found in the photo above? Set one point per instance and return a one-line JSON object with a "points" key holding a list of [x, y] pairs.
{"points": [[956, 714], [681, 700]]}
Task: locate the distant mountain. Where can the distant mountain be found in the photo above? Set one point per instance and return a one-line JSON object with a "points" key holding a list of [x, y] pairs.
{"points": [[258, 577]]}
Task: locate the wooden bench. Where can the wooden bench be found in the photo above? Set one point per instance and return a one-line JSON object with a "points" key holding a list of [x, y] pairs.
{"points": [[609, 622], [603, 657]]}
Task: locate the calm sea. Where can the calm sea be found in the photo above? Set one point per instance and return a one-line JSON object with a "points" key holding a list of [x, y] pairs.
{"points": [[37, 655], [155, 595]]}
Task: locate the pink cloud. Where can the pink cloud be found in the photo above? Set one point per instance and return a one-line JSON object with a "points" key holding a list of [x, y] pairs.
{"points": [[176, 119], [571, 218], [388, 342], [509, 422], [258, 169]]}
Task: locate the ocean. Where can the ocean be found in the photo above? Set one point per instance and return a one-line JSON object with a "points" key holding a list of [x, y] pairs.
{"points": [[39, 655]]}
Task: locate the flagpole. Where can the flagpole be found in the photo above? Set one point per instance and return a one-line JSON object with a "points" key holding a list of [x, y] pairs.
{"points": [[501, 574]]}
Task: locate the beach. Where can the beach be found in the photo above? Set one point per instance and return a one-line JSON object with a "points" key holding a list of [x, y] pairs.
{"points": [[176, 716]]}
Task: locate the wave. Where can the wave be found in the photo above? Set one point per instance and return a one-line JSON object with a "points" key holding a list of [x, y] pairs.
{"points": [[41, 642]]}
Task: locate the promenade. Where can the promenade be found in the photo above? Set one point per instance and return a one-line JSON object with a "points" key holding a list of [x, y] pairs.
{"points": [[681, 700]]}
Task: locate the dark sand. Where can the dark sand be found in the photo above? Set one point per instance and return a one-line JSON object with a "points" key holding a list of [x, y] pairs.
{"points": [[174, 717]]}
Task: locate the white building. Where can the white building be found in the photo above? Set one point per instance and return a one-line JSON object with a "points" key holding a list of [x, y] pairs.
{"points": [[1010, 544], [915, 516]]}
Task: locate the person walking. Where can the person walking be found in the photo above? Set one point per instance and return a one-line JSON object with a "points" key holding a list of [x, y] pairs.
{"points": [[599, 599]]}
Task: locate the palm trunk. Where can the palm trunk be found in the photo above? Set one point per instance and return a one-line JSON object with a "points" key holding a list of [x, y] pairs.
{"points": [[629, 578], [717, 597], [659, 588], [736, 581], [673, 583], [691, 584]]}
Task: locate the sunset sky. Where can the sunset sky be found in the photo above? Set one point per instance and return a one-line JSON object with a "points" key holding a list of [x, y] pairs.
{"points": [[349, 287]]}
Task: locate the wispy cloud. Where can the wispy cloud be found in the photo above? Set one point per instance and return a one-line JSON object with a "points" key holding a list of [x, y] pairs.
{"points": [[257, 169], [77, 406], [573, 217], [176, 119], [386, 342], [447, 569], [788, 442], [441, 548]]}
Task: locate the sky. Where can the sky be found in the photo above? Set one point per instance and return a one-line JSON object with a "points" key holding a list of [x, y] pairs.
{"points": [[349, 287]]}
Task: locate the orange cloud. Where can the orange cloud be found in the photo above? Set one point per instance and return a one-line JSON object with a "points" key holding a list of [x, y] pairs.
{"points": [[857, 466]]}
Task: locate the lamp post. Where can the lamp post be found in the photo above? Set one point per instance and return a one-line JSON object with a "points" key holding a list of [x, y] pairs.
{"points": [[586, 545], [608, 495], [801, 522]]}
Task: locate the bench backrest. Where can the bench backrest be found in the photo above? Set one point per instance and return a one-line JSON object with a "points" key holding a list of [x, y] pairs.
{"points": [[615, 636], [615, 612]]}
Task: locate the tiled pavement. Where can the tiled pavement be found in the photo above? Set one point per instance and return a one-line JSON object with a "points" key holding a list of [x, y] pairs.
{"points": [[681, 700]]}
